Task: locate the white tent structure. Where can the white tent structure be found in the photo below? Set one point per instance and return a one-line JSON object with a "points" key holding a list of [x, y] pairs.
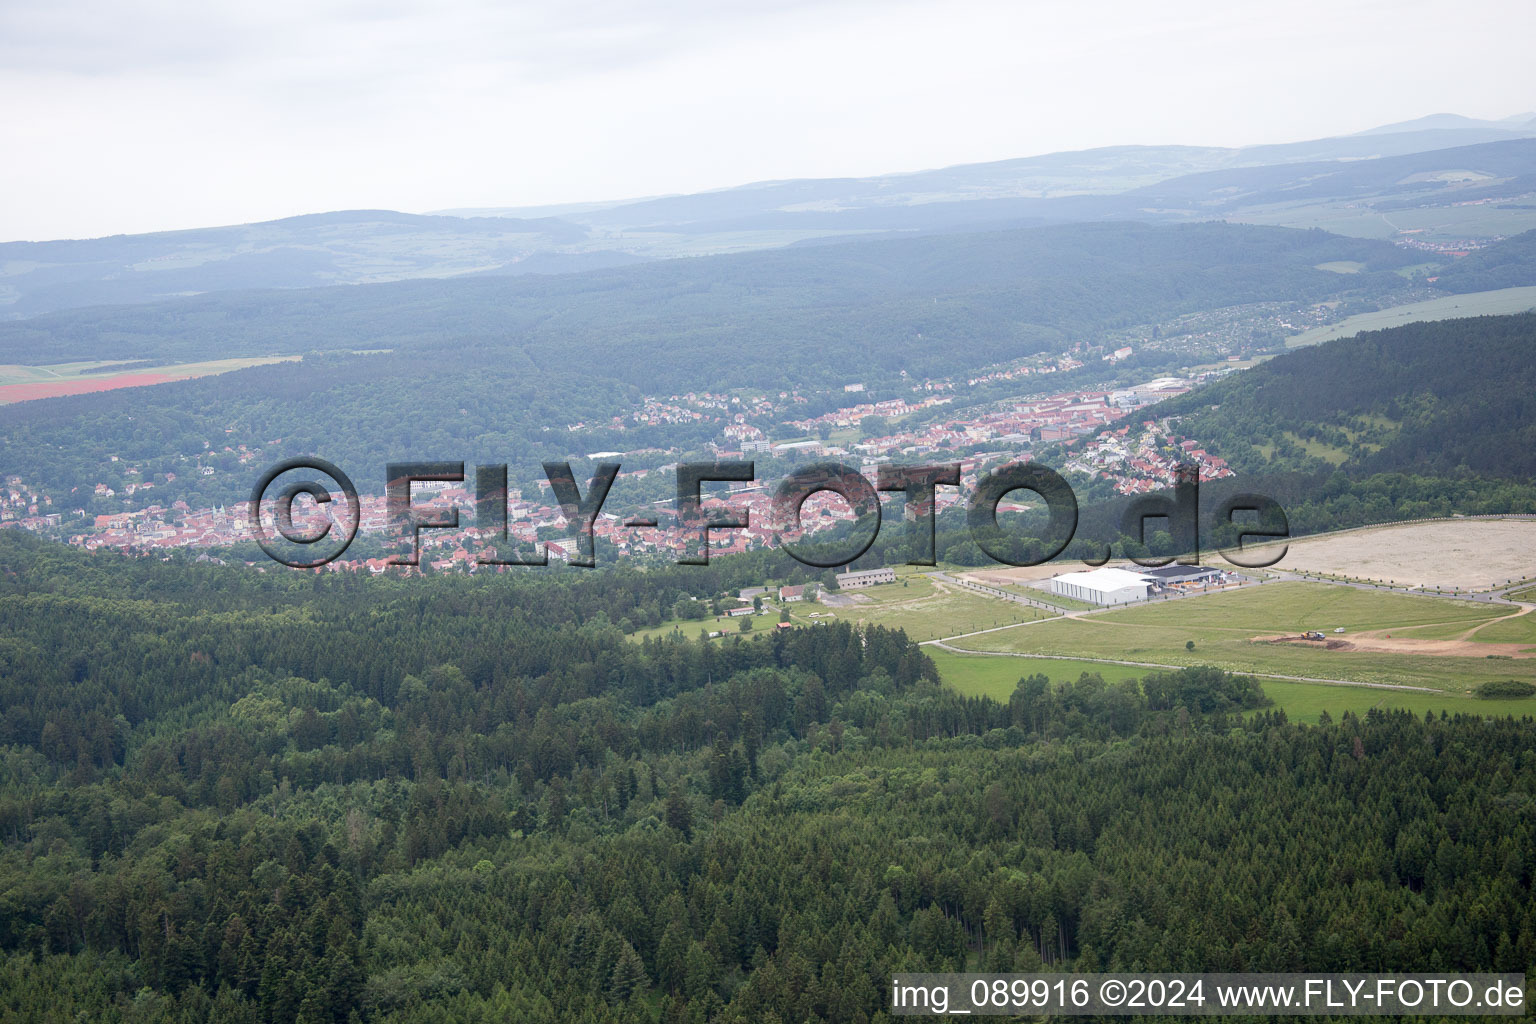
{"points": [[1102, 586]]}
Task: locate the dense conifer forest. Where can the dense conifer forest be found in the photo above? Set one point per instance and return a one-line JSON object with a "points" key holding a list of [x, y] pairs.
{"points": [[1449, 398]]}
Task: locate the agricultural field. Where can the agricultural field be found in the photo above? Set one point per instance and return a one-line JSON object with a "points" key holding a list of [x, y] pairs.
{"points": [[1465, 554], [1497, 302], [1239, 631], [925, 609], [11, 373], [25, 383], [1439, 223]]}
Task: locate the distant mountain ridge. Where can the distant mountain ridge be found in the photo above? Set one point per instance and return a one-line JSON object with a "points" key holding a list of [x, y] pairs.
{"points": [[1453, 122], [1291, 184]]}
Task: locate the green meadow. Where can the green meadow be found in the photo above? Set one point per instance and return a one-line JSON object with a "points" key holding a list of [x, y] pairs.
{"points": [[986, 675], [928, 611], [1223, 628], [979, 675]]}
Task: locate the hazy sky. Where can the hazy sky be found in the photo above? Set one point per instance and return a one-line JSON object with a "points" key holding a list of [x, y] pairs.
{"points": [[139, 115]]}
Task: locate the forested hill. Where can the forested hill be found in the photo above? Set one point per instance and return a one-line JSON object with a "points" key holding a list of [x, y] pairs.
{"points": [[1510, 263], [287, 797], [928, 305], [1455, 398]]}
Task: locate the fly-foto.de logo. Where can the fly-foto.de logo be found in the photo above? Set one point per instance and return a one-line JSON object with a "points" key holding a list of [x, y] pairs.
{"points": [[324, 538]]}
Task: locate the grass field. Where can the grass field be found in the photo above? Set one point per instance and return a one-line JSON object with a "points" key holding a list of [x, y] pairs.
{"points": [[1222, 627], [914, 603], [994, 677], [1513, 630], [927, 611], [690, 627], [1441, 631], [1069, 604], [911, 587], [982, 675], [1499, 301], [1304, 702], [1293, 606]]}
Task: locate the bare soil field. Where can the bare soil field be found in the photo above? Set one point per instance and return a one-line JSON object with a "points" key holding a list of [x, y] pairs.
{"points": [[1464, 644], [1387, 644], [1466, 554]]}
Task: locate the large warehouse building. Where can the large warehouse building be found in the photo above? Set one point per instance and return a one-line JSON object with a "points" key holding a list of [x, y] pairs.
{"points": [[1102, 586]]}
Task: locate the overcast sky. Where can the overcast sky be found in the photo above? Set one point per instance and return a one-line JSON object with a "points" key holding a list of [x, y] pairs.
{"points": [[141, 115]]}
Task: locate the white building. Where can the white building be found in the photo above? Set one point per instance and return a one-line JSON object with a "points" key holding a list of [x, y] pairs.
{"points": [[1102, 586]]}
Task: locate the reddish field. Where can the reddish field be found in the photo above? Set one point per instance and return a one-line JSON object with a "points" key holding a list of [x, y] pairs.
{"points": [[54, 389]]}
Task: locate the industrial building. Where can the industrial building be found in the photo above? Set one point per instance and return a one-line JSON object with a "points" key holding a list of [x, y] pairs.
{"points": [[1169, 575]]}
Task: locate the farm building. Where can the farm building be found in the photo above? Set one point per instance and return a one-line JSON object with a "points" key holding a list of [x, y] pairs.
{"points": [[1102, 586]]}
